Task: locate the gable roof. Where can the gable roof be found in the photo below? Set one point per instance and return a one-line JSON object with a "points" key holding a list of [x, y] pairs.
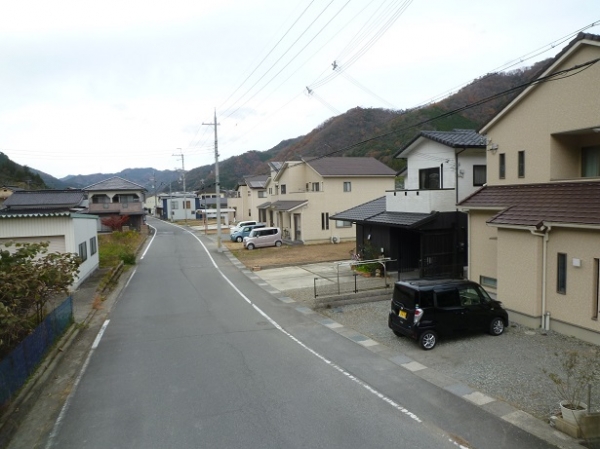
{"points": [[580, 39], [115, 183], [374, 212], [457, 138], [574, 203], [45, 199], [350, 166], [256, 182]]}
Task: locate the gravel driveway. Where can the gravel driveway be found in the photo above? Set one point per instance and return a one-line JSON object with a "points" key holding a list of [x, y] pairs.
{"points": [[509, 367]]}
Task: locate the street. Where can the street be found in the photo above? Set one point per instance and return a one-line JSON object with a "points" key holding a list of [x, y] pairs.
{"points": [[196, 354]]}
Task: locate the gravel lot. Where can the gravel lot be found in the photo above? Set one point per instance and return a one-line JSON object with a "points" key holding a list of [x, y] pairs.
{"points": [[509, 367]]}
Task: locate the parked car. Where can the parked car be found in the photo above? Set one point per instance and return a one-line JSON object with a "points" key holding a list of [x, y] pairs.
{"points": [[263, 237], [238, 236], [240, 225], [425, 309]]}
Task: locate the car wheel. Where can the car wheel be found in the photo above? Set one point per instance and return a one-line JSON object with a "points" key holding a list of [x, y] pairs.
{"points": [[250, 246], [278, 243], [239, 240], [427, 340], [397, 334], [497, 327]]}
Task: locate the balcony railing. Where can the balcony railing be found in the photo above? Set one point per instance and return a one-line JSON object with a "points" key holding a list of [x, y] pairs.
{"points": [[421, 201], [124, 208]]}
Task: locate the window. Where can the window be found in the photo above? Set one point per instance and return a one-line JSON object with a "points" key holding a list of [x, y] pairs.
{"points": [[249, 212], [521, 164], [502, 165], [315, 187], [561, 275], [447, 298], [479, 175], [429, 178], [347, 186], [262, 194], [590, 162], [270, 190], [249, 193], [93, 246], [83, 251], [488, 281], [596, 296], [343, 224], [324, 221], [283, 189], [187, 204], [174, 205]]}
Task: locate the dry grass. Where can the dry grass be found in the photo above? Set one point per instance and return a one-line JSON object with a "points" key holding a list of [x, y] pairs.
{"points": [[289, 255]]}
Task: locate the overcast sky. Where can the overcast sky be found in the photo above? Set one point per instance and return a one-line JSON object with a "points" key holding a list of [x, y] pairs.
{"points": [[89, 87]]}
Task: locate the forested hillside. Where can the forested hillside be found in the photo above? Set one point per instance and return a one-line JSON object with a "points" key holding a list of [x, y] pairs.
{"points": [[13, 174]]}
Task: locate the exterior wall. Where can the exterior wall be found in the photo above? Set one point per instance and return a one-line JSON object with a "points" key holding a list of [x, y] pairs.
{"points": [[576, 307], [421, 201], [431, 155], [569, 104], [520, 262], [84, 230], [240, 204], [466, 160], [483, 248], [64, 233], [178, 212]]}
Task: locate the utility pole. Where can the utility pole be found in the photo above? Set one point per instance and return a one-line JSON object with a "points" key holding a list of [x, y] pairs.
{"points": [[184, 191], [217, 181]]}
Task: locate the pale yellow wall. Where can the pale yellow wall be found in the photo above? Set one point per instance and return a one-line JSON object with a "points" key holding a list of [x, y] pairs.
{"points": [[565, 105], [520, 271], [576, 305], [483, 247], [240, 204]]}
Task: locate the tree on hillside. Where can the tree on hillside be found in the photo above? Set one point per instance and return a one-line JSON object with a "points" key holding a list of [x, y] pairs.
{"points": [[29, 277]]}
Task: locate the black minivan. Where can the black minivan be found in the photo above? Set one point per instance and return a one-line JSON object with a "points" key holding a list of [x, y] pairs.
{"points": [[424, 309]]}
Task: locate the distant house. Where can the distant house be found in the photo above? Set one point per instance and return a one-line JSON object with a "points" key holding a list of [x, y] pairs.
{"points": [[249, 193], [117, 196], [534, 229], [419, 227], [54, 216], [301, 196]]}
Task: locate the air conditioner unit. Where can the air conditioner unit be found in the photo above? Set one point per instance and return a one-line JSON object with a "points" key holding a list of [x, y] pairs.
{"points": [[335, 239]]}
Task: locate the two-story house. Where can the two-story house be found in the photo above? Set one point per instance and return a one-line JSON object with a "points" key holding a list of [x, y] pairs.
{"points": [[249, 194], [418, 227], [302, 195], [117, 196], [54, 216], [534, 229]]}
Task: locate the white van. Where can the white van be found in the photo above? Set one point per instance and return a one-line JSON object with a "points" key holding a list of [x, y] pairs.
{"points": [[263, 237], [240, 225]]}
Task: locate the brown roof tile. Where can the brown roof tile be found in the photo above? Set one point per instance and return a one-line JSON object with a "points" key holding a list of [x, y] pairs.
{"points": [[533, 204]]}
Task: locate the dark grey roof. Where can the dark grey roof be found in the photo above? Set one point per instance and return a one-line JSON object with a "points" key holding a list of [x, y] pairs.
{"points": [[287, 205], [350, 166], [115, 183], [264, 205], [534, 204], [457, 138], [374, 212], [44, 199], [256, 182], [276, 165]]}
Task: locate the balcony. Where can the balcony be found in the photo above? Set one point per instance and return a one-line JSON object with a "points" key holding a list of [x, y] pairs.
{"points": [[421, 201], [121, 208]]}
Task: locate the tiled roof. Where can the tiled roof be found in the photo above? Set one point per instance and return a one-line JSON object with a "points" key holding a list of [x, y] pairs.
{"points": [[44, 199], [350, 166], [31, 214], [256, 182], [374, 212], [115, 183], [457, 138], [535, 204], [287, 205]]}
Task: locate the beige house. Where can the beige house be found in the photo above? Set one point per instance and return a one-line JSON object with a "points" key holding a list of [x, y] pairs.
{"points": [[534, 229], [248, 194], [302, 195]]}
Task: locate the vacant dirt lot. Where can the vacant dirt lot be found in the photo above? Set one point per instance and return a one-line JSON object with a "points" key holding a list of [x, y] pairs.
{"points": [[289, 255]]}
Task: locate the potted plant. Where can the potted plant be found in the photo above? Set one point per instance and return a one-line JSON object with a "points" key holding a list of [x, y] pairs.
{"points": [[577, 371]]}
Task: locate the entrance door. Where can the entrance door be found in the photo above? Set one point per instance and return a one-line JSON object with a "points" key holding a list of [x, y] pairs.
{"points": [[297, 227]]}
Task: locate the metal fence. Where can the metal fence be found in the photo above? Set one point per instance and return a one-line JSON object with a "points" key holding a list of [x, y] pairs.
{"points": [[347, 277], [22, 362]]}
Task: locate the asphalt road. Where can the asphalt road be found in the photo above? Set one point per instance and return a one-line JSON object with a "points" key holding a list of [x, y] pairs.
{"points": [[196, 354]]}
